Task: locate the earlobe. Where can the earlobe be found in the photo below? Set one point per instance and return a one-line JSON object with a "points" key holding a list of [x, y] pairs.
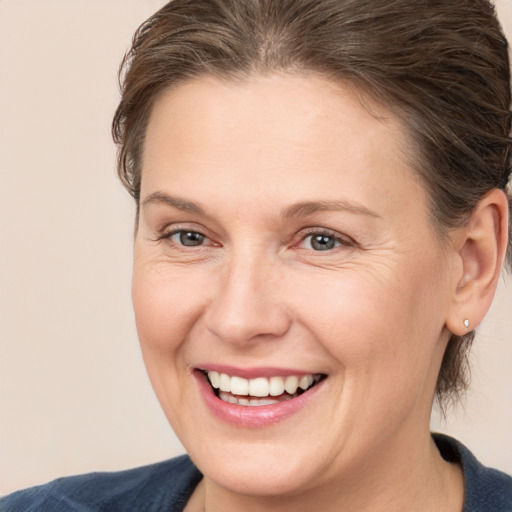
{"points": [[483, 246]]}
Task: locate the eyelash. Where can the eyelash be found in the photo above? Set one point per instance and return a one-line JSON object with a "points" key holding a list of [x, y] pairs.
{"points": [[309, 234]]}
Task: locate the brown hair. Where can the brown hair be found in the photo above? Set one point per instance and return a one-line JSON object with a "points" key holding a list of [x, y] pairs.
{"points": [[441, 66]]}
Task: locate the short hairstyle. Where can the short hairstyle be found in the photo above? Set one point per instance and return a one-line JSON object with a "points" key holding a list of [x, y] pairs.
{"points": [[440, 66]]}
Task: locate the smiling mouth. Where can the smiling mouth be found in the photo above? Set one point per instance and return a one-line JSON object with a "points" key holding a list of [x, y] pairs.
{"points": [[261, 390]]}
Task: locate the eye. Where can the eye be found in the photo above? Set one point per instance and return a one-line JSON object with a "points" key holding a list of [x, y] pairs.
{"points": [[187, 238], [322, 241]]}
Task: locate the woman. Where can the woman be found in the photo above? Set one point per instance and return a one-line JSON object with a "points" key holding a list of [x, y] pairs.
{"points": [[322, 217]]}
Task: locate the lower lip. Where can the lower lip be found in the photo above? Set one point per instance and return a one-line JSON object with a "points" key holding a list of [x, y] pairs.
{"points": [[255, 416]]}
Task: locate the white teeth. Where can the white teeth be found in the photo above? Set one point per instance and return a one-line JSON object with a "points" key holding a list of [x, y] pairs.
{"points": [[214, 379], [240, 386], [305, 381], [291, 384], [276, 386], [225, 382], [259, 388], [253, 402]]}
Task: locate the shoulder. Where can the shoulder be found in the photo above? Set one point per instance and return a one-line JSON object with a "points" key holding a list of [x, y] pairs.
{"points": [[163, 486], [486, 489]]}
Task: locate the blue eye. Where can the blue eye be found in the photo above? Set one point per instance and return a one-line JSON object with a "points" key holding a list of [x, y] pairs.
{"points": [[188, 238], [321, 241]]}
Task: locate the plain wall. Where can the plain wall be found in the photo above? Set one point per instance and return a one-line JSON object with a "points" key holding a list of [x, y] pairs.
{"points": [[74, 396]]}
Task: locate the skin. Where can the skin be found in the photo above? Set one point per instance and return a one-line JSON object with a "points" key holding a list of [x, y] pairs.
{"points": [[373, 313]]}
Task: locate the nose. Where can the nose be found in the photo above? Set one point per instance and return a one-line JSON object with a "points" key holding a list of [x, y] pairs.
{"points": [[247, 304]]}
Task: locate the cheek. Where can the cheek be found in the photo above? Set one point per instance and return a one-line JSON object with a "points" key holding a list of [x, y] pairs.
{"points": [[348, 323], [374, 321], [378, 332], [166, 304]]}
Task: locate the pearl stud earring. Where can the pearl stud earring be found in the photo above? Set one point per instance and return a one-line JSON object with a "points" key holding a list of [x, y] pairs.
{"points": [[466, 323]]}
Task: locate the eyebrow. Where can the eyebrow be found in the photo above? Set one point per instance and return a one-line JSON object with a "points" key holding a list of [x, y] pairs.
{"points": [[176, 202], [309, 207], [301, 209]]}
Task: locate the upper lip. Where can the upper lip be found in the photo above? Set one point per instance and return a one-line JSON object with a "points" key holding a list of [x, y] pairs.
{"points": [[255, 372]]}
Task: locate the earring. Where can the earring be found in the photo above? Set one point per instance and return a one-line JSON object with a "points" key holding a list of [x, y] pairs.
{"points": [[466, 323]]}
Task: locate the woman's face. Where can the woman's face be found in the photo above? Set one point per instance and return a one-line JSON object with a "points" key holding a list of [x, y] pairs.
{"points": [[284, 240]]}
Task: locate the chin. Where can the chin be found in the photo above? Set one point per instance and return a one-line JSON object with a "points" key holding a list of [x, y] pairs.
{"points": [[261, 476]]}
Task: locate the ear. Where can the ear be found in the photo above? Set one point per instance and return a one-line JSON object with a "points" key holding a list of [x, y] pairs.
{"points": [[481, 248]]}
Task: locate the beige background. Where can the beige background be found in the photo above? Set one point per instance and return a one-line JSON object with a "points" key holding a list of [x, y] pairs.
{"points": [[73, 391]]}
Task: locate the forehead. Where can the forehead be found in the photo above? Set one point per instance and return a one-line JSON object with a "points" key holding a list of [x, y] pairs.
{"points": [[273, 132], [263, 105]]}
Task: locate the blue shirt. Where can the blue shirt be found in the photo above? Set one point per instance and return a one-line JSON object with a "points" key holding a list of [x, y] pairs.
{"points": [[167, 486]]}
